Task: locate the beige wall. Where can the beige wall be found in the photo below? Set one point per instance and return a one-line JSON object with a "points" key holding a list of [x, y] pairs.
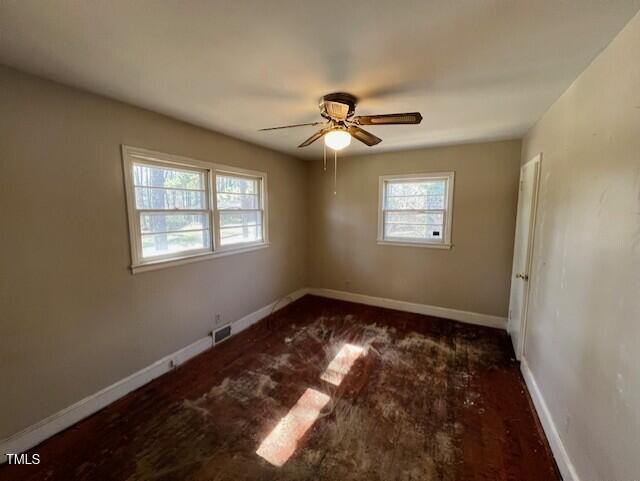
{"points": [[583, 336], [473, 276], [73, 319]]}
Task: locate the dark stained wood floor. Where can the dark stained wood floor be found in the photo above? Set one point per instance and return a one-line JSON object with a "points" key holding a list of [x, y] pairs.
{"points": [[428, 399]]}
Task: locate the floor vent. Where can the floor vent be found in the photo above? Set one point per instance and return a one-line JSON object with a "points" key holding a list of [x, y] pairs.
{"points": [[221, 334]]}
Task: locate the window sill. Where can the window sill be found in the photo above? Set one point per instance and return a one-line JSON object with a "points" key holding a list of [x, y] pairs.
{"points": [[152, 266], [414, 244]]}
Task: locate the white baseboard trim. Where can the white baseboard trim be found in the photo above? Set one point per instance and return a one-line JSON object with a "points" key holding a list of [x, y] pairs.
{"points": [[444, 312], [566, 467], [36, 433], [250, 319], [42, 430]]}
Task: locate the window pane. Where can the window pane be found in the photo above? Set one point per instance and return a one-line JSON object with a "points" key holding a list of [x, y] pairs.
{"points": [[147, 198], [238, 185], [427, 187], [173, 243], [239, 219], [435, 202], [155, 176], [236, 235], [414, 218], [237, 201], [436, 187], [415, 202], [415, 194], [413, 231], [153, 223]]}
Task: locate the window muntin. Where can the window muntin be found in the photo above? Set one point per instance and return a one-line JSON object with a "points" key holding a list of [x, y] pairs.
{"points": [[416, 209], [181, 210], [239, 209]]}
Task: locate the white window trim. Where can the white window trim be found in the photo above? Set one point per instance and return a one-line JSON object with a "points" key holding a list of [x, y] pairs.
{"points": [[445, 243], [216, 212], [131, 154]]}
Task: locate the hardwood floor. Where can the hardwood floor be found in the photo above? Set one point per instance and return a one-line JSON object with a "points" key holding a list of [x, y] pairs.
{"points": [[321, 390]]}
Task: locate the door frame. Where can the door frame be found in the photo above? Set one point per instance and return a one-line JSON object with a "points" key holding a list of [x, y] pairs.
{"points": [[537, 161]]}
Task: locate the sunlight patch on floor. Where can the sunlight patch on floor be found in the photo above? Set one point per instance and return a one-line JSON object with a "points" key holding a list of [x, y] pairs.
{"points": [[341, 364], [281, 443]]}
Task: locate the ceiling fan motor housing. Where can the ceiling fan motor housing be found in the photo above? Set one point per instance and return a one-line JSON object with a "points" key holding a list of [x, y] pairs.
{"points": [[338, 106]]}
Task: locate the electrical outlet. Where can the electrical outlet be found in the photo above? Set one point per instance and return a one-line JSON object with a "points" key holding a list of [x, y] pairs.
{"points": [[218, 320], [347, 284]]}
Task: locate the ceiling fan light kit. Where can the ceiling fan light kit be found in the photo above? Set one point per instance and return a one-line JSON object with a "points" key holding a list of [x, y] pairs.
{"points": [[337, 139], [341, 125]]}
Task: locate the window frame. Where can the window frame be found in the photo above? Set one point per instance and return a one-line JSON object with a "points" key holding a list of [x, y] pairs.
{"points": [[445, 242], [216, 212], [132, 155]]}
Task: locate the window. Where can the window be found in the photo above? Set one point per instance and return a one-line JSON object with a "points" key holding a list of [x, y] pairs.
{"points": [[172, 210], [416, 210], [239, 208], [181, 210]]}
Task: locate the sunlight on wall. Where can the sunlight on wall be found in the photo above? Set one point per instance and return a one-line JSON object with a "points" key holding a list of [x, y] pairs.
{"points": [[281, 443], [341, 364]]}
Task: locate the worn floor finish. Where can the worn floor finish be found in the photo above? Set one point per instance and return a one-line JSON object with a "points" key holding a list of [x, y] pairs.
{"points": [[425, 399]]}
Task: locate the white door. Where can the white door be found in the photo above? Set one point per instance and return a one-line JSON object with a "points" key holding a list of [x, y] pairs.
{"points": [[523, 246]]}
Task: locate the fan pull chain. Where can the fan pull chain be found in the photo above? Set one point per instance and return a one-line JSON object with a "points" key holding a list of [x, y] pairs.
{"points": [[335, 172], [324, 150]]}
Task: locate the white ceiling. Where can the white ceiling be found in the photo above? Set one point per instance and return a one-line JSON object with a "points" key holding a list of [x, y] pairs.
{"points": [[475, 69]]}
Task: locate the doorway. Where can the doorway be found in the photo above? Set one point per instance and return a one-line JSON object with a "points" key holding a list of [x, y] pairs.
{"points": [[522, 252]]}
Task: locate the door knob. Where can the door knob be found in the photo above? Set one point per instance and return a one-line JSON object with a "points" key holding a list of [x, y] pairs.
{"points": [[524, 277]]}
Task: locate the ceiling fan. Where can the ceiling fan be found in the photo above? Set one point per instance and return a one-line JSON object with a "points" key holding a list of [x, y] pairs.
{"points": [[340, 124]]}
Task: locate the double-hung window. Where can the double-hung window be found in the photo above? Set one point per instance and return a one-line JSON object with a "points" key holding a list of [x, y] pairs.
{"points": [[181, 210], [239, 209], [416, 209]]}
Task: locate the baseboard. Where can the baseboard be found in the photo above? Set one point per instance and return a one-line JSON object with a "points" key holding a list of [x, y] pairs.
{"points": [[566, 467], [251, 319], [444, 312], [36, 433]]}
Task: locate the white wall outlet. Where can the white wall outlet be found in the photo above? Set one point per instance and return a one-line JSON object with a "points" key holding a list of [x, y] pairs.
{"points": [[218, 320]]}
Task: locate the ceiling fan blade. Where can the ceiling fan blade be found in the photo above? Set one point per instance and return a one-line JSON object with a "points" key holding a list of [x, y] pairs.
{"points": [[363, 136], [388, 119], [314, 137], [290, 126]]}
